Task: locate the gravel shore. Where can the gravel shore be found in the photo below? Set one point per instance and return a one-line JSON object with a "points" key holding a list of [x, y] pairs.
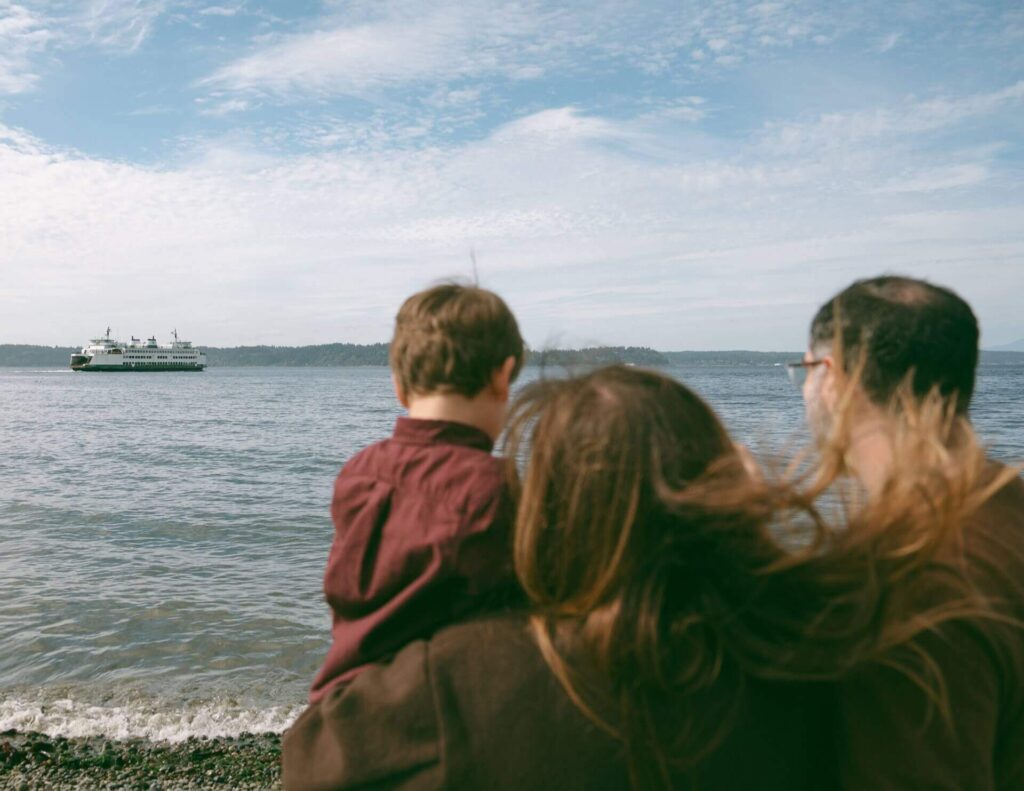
{"points": [[30, 761]]}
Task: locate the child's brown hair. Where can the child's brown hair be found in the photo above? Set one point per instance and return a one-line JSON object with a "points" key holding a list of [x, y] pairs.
{"points": [[451, 339]]}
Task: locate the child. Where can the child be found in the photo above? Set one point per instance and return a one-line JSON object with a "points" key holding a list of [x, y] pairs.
{"points": [[423, 520]]}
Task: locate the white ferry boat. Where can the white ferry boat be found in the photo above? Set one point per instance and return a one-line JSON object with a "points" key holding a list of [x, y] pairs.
{"points": [[107, 354]]}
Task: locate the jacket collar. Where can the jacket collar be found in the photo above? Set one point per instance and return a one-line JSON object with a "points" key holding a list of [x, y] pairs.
{"points": [[440, 432]]}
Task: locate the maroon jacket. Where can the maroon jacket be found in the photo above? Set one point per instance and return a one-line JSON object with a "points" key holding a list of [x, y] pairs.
{"points": [[422, 538]]}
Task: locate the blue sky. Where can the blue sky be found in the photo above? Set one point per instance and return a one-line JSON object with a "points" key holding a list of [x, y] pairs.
{"points": [[672, 174]]}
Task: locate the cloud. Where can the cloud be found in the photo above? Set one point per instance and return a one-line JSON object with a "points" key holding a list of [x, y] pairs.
{"points": [[30, 30], [364, 49], [445, 97], [152, 109], [685, 109], [444, 43], [889, 42], [557, 125], [942, 178], [220, 10], [23, 35], [219, 108], [554, 139], [833, 130], [661, 235], [121, 25]]}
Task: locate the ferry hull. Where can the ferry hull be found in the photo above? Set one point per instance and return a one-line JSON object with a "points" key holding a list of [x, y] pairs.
{"points": [[142, 368]]}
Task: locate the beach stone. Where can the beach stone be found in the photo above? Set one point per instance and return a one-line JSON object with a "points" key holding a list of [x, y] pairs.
{"points": [[34, 761]]}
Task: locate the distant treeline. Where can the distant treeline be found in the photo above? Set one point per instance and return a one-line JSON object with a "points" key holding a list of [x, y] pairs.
{"points": [[20, 355], [331, 355], [596, 355], [326, 355]]}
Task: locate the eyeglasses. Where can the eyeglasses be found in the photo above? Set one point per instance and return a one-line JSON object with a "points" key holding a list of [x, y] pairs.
{"points": [[798, 372]]}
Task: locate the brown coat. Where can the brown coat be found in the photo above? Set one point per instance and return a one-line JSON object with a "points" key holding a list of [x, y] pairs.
{"points": [[892, 738], [475, 706]]}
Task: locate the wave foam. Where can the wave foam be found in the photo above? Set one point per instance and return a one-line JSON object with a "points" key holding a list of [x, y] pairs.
{"points": [[146, 720]]}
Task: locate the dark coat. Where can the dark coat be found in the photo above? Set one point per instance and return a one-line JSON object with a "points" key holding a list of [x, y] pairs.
{"points": [[475, 706], [892, 737]]}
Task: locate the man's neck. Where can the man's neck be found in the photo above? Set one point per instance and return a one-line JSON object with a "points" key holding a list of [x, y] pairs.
{"points": [[869, 454]]}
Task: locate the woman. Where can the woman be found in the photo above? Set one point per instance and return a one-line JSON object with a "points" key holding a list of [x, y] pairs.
{"points": [[671, 642]]}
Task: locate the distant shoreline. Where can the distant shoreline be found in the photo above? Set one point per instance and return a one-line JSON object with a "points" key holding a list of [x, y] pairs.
{"points": [[346, 355]]}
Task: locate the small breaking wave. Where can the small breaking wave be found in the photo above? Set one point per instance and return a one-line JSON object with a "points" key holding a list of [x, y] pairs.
{"points": [[143, 719]]}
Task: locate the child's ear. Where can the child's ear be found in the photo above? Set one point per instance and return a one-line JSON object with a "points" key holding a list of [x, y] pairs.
{"points": [[399, 392], [501, 379]]}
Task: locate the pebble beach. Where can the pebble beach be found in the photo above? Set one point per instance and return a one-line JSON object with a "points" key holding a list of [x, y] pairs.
{"points": [[30, 761]]}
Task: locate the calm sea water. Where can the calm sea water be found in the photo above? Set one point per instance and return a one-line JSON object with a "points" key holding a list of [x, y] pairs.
{"points": [[163, 536]]}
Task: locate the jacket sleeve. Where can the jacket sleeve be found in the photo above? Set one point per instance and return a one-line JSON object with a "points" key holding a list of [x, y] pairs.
{"points": [[380, 731], [353, 583], [893, 736]]}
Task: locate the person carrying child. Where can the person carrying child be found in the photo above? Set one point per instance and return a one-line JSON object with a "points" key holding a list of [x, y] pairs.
{"points": [[423, 519]]}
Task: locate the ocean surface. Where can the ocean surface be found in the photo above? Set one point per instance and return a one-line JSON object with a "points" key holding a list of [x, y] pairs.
{"points": [[163, 535]]}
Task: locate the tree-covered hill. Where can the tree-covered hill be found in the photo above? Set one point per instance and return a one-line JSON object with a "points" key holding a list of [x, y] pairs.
{"points": [[596, 355], [327, 355], [22, 355]]}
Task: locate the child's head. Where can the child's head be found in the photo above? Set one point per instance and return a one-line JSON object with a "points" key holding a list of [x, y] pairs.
{"points": [[455, 341]]}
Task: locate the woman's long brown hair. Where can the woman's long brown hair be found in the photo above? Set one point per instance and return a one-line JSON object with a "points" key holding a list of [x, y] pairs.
{"points": [[665, 572]]}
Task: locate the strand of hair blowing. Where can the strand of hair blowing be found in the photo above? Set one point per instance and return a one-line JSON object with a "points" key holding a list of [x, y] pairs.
{"points": [[659, 584]]}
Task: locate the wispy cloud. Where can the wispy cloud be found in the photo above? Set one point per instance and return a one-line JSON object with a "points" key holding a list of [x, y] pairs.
{"points": [[356, 58], [941, 178], [890, 41], [152, 109], [833, 130], [218, 107], [374, 47], [121, 25], [23, 34], [31, 29], [220, 10]]}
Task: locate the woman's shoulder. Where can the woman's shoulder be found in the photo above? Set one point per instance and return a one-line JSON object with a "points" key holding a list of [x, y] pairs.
{"points": [[508, 722], [497, 633], [472, 706], [489, 664]]}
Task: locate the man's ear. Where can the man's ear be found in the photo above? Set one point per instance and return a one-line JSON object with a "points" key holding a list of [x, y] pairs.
{"points": [[501, 379], [399, 392], [831, 383]]}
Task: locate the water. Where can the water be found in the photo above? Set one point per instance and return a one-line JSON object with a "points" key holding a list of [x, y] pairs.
{"points": [[163, 536]]}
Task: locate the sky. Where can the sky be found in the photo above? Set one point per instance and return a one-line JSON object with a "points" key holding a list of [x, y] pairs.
{"points": [[680, 175]]}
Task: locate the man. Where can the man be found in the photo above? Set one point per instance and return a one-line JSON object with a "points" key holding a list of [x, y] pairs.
{"points": [[883, 334]]}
